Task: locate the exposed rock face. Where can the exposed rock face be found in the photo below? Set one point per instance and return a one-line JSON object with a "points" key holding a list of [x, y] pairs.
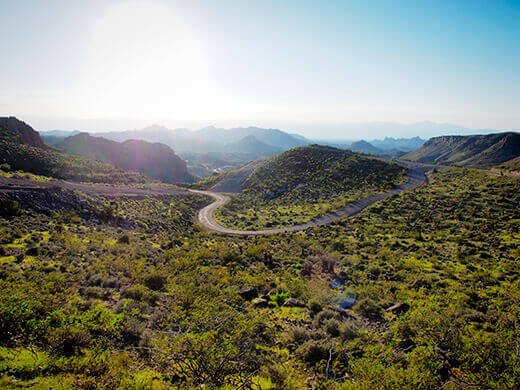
{"points": [[155, 160], [20, 132], [260, 302], [292, 302], [472, 150], [248, 293]]}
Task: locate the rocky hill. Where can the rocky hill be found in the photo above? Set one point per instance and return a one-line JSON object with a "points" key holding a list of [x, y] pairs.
{"points": [[21, 148], [20, 132], [473, 150], [315, 170], [300, 185], [153, 159]]}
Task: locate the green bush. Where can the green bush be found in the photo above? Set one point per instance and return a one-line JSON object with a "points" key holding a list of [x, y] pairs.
{"points": [[348, 330], [68, 341], [314, 351], [155, 281], [369, 308], [9, 208], [299, 334], [324, 315], [279, 298], [332, 326]]}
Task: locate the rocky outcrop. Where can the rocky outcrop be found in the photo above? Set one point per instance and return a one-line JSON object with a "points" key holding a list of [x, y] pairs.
{"points": [[471, 150]]}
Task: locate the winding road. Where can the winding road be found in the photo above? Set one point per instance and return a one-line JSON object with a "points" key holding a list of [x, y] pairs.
{"points": [[416, 177]]}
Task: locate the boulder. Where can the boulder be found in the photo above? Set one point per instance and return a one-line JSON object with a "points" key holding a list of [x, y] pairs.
{"points": [[248, 293], [260, 302], [399, 308], [292, 302]]}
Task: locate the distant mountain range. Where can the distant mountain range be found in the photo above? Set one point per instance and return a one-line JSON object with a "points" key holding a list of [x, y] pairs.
{"points": [[251, 145], [207, 139], [401, 144], [207, 150], [213, 149], [364, 147], [388, 146], [473, 150], [153, 159]]}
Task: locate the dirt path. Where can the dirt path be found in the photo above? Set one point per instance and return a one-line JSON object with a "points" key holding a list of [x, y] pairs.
{"points": [[416, 177], [232, 182], [14, 184]]}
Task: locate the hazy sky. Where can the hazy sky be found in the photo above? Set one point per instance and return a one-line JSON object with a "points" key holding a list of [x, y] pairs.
{"points": [[305, 66]]}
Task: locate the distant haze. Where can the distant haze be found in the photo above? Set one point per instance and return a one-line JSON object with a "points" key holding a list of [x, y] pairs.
{"points": [[323, 69], [335, 132]]}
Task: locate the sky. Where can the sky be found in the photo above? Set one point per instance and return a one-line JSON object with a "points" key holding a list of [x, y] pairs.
{"points": [[316, 68]]}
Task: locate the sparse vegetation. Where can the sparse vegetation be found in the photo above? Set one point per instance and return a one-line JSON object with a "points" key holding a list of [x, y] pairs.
{"points": [[421, 290], [304, 183]]}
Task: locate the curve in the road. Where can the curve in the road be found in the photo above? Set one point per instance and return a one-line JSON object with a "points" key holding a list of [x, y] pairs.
{"points": [[416, 177]]}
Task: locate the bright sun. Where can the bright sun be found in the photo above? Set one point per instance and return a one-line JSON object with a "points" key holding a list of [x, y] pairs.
{"points": [[144, 62]]}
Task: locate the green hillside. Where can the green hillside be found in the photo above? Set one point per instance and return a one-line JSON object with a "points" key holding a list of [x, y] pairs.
{"points": [[513, 165], [304, 183], [22, 149], [421, 291]]}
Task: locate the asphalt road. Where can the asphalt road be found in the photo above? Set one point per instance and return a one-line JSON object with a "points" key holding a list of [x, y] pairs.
{"points": [[416, 177]]}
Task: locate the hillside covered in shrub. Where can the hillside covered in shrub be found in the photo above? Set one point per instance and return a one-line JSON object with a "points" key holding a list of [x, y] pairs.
{"points": [[306, 182], [152, 159], [21, 148], [420, 291]]}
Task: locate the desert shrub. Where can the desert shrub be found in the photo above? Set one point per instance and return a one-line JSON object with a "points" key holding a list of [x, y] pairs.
{"points": [[373, 272], [9, 208], [136, 292], [155, 281], [348, 330], [124, 239], [94, 292], [277, 374], [299, 334], [314, 306], [132, 331], [338, 245], [314, 351], [33, 251], [139, 292], [331, 326], [68, 341], [324, 315], [369, 308], [223, 352], [110, 283]]}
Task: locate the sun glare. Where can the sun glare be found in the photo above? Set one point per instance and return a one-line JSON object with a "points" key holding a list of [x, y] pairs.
{"points": [[144, 61]]}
